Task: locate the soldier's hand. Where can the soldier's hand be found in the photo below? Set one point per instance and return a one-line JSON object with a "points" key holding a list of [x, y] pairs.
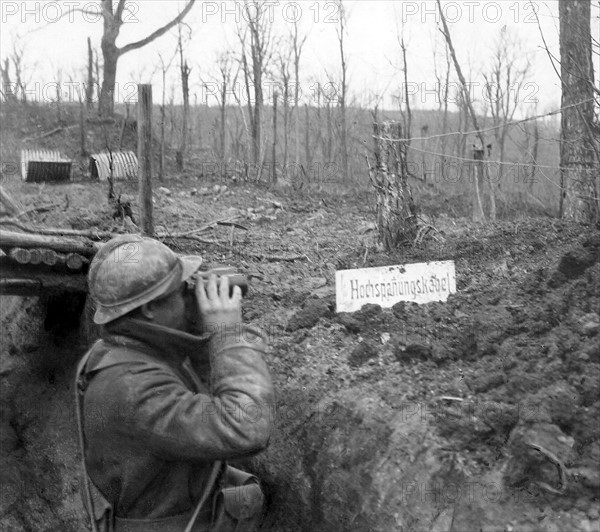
{"points": [[217, 310]]}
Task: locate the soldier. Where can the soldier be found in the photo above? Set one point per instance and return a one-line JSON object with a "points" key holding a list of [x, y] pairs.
{"points": [[176, 386]]}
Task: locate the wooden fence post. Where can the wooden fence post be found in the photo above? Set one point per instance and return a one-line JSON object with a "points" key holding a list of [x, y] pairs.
{"points": [[145, 157], [478, 215]]}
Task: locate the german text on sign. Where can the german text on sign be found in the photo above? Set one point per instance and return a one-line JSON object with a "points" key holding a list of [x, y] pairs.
{"points": [[423, 282]]}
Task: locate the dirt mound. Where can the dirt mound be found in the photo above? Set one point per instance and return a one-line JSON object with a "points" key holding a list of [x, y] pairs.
{"points": [[480, 413]]}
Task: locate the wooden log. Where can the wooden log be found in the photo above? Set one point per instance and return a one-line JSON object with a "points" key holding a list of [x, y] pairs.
{"points": [[22, 256], [50, 257], [92, 234], [36, 257], [20, 287], [28, 280], [11, 239], [75, 262]]}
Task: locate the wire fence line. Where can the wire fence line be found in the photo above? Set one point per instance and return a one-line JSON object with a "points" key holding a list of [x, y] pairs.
{"points": [[487, 163], [492, 128]]}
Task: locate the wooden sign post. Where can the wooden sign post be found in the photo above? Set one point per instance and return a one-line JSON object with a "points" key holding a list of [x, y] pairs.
{"points": [[144, 125]]}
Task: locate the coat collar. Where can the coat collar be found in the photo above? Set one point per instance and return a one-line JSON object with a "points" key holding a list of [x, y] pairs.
{"points": [[170, 344]]}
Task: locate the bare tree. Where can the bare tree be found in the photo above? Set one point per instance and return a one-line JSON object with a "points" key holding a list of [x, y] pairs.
{"points": [[317, 96], [161, 159], [532, 151], [284, 60], [503, 84], [17, 60], [478, 214], [307, 144], [184, 70], [442, 93], [8, 88], [297, 45], [225, 65], [579, 146], [89, 89], [274, 147], [11, 89], [329, 114], [58, 98], [341, 31], [406, 112], [113, 19], [259, 27]]}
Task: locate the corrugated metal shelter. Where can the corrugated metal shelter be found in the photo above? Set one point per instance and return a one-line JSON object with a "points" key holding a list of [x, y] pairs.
{"points": [[124, 165], [44, 165]]}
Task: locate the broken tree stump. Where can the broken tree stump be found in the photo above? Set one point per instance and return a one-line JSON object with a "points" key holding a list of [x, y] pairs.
{"points": [[396, 211]]}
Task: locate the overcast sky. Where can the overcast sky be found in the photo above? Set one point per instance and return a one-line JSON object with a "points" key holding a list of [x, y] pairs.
{"points": [[53, 44]]}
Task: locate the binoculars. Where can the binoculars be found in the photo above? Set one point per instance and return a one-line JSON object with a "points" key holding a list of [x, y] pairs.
{"points": [[235, 279]]}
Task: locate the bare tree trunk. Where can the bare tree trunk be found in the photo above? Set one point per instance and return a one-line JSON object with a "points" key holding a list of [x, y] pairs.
{"points": [[343, 90], [89, 90], [274, 152], [171, 117], [258, 114], [578, 154], [307, 147], [185, 75], [222, 128], [161, 157], [59, 117], [408, 118], [7, 85], [284, 66], [534, 156], [478, 177], [113, 20], [319, 134], [329, 144], [110, 53], [17, 58], [297, 45], [82, 150], [97, 77]]}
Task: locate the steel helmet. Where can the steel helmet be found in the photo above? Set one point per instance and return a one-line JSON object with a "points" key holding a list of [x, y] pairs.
{"points": [[131, 270]]}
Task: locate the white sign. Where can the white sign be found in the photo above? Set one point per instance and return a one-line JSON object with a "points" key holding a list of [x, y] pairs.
{"points": [[422, 282]]}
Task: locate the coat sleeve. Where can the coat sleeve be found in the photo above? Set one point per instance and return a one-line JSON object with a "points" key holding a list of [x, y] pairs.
{"points": [[233, 421]]}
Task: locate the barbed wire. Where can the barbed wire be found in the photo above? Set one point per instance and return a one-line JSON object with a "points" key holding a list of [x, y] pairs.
{"points": [[466, 159], [537, 166], [485, 130]]}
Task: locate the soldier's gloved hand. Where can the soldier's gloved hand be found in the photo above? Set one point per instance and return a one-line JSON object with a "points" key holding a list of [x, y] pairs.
{"points": [[218, 311]]}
